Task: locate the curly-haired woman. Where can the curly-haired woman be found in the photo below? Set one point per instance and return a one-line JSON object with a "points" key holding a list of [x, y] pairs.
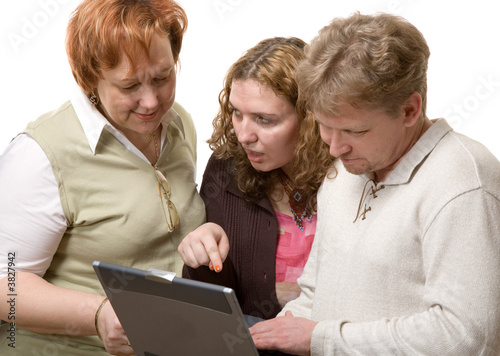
{"points": [[261, 182]]}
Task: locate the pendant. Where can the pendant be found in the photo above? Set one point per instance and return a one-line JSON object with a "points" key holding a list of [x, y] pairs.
{"points": [[297, 217]]}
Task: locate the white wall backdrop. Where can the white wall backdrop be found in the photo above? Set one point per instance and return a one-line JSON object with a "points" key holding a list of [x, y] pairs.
{"points": [[464, 69]]}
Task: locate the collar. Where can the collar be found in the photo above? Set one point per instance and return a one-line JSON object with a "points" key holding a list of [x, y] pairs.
{"points": [[422, 148], [93, 123], [405, 168]]}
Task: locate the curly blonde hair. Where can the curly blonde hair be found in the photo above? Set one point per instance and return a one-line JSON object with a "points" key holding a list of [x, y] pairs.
{"points": [[272, 62]]}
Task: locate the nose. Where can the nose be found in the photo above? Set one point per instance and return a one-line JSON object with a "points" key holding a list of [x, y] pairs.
{"points": [[337, 143], [244, 130], [149, 98]]}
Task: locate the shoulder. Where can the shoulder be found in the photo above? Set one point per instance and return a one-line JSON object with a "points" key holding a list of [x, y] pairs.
{"points": [[335, 173], [182, 112], [180, 127], [219, 163], [467, 163], [219, 168], [54, 117], [55, 129], [184, 119]]}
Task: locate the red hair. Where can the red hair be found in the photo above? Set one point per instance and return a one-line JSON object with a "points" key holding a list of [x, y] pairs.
{"points": [[100, 31]]}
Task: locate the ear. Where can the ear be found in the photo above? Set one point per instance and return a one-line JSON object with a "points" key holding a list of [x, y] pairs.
{"points": [[412, 108]]}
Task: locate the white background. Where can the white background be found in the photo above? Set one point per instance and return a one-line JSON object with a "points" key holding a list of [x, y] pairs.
{"points": [[464, 68]]}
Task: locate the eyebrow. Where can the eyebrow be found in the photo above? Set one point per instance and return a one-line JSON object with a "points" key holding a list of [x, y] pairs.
{"points": [[260, 114], [132, 79], [352, 128]]}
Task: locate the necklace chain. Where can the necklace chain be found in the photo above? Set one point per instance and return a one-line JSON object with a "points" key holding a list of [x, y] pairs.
{"points": [[152, 137], [157, 152]]}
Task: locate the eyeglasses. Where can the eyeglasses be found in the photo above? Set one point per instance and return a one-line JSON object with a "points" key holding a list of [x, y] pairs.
{"points": [[169, 209]]}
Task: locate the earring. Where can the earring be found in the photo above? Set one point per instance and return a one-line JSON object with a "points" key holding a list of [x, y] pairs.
{"points": [[94, 99]]}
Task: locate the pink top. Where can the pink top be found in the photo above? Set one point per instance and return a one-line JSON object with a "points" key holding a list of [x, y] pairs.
{"points": [[292, 251]]}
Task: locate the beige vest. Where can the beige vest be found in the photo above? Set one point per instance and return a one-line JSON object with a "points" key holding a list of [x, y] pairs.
{"points": [[111, 203]]}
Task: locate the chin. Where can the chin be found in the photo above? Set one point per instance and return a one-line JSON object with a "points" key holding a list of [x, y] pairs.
{"points": [[261, 168], [356, 170]]}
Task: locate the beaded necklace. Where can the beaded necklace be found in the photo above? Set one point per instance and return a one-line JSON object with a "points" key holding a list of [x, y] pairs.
{"points": [[297, 202]]}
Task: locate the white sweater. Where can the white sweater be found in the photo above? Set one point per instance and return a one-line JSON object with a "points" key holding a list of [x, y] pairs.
{"points": [[420, 275]]}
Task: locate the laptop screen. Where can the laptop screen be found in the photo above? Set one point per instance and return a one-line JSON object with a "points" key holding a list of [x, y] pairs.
{"points": [[167, 315]]}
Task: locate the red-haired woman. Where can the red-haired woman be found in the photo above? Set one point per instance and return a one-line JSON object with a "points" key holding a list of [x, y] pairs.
{"points": [[82, 183]]}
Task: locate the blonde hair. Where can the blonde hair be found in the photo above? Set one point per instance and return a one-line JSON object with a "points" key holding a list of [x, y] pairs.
{"points": [[365, 61], [99, 31], [272, 62]]}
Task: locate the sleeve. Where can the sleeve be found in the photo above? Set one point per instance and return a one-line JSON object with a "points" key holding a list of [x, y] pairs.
{"points": [[461, 255], [32, 221], [212, 191]]}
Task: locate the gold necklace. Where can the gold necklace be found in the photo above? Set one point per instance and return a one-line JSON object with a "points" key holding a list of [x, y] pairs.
{"points": [[151, 135], [157, 152]]}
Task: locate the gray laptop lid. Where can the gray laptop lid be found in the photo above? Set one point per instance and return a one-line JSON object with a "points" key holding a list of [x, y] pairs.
{"points": [[167, 315]]}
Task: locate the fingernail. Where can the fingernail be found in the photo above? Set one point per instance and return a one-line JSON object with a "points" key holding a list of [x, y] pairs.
{"points": [[217, 268], [211, 266]]}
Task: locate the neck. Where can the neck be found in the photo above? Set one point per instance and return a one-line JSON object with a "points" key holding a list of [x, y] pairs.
{"points": [[413, 136], [421, 127], [152, 148], [279, 197], [287, 169]]}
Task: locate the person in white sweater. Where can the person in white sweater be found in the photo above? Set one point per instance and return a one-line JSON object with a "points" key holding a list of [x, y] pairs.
{"points": [[406, 257]]}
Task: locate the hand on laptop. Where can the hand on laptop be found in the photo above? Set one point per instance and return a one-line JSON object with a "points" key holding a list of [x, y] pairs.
{"points": [[208, 245], [284, 333], [112, 334]]}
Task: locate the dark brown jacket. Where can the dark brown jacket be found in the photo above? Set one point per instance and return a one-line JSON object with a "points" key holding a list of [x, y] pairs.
{"points": [[252, 229]]}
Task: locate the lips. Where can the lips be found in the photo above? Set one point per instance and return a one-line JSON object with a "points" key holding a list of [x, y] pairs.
{"points": [[254, 156], [147, 117], [347, 160]]}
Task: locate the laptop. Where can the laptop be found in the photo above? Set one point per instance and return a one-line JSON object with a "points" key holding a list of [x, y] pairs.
{"points": [[163, 314]]}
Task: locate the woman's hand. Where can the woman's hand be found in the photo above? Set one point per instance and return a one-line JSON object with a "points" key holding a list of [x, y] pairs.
{"points": [[112, 334], [208, 245]]}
